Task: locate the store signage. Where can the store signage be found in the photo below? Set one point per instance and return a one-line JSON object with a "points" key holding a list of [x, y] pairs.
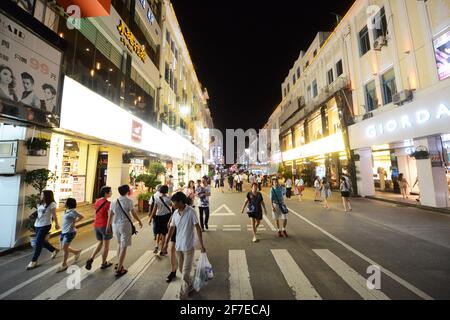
{"points": [[136, 131], [428, 115], [29, 75], [408, 121], [129, 40]]}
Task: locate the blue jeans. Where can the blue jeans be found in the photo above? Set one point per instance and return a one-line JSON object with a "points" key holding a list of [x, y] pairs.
{"points": [[205, 211], [41, 233]]}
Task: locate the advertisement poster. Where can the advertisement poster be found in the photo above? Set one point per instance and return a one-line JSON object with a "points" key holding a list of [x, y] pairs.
{"points": [[29, 75], [442, 51], [78, 188]]}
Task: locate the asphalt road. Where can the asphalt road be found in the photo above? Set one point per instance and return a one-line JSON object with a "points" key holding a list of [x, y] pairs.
{"points": [[326, 256]]}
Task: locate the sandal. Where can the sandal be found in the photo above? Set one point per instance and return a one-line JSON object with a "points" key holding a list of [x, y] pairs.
{"points": [[62, 269], [106, 265], [121, 273], [156, 250], [89, 264]]}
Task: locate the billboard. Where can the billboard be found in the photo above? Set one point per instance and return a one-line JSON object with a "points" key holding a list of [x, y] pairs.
{"points": [[29, 75], [442, 52]]}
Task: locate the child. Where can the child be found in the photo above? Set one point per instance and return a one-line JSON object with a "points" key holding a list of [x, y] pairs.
{"points": [[68, 232]]}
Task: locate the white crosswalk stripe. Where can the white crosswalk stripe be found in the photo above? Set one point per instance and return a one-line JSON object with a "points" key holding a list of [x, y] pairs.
{"points": [[62, 287], [117, 290], [240, 286], [174, 288], [350, 276], [295, 278]]}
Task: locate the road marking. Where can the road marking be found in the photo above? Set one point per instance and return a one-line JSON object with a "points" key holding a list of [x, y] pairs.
{"points": [[174, 288], [271, 226], [219, 213], [232, 230], [296, 279], [40, 275], [350, 276], [117, 290], [61, 288], [240, 287], [231, 225], [14, 258], [390, 274]]}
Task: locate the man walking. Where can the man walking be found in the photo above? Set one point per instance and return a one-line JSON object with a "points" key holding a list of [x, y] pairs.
{"points": [[276, 197], [185, 222], [203, 193]]}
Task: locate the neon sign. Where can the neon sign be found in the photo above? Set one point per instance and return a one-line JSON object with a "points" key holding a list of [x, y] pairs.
{"points": [[129, 40]]}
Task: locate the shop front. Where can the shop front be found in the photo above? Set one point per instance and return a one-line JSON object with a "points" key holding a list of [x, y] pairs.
{"points": [[411, 140]]}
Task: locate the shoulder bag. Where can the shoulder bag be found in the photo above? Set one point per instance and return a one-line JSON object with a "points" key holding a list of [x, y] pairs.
{"points": [[133, 228], [284, 209]]}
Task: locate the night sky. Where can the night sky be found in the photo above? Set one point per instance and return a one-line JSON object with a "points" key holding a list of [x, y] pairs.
{"points": [[243, 52]]}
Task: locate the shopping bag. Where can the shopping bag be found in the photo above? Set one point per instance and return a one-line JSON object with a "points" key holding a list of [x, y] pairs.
{"points": [[203, 272]]}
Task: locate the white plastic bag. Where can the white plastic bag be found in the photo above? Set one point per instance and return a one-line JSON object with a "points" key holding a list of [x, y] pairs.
{"points": [[203, 272]]}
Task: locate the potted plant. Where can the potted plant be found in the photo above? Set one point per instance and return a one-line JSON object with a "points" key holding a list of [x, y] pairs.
{"points": [[143, 200], [157, 168], [150, 181], [37, 146], [38, 179]]}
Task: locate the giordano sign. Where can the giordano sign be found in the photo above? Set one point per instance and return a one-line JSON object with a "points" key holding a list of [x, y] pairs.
{"points": [[428, 115], [129, 40]]}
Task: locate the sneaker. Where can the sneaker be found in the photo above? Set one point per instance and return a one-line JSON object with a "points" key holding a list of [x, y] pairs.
{"points": [[55, 253], [156, 250], [206, 227], [255, 240], [77, 256], [171, 276], [32, 265], [62, 269], [285, 233]]}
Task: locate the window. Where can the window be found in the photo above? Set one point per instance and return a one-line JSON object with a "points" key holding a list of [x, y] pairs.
{"points": [[330, 76], [380, 23], [168, 37], [298, 73], [339, 68], [334, 123], [388, 85], [315, 90], [288, 87], [293, 79], [371, 96], [299, 136], [315, 53], [308, 93], [285, 93], [315, 129], [364, 41]]}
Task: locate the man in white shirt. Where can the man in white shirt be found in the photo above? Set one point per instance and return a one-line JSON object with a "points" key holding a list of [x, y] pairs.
{"points": [[186, 223]]}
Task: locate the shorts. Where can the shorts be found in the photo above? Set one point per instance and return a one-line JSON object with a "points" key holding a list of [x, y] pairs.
{"points": [[123, 233], [67, 238], [345, 194], [161, 224], [174, 236], [277, 214], [101, 235], [255, 215]]}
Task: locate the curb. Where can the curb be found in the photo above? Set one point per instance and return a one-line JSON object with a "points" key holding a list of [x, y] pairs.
{"points": [[440, 210]]}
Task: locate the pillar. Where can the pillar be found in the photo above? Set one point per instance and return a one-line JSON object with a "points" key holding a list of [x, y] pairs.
{"points": [[364, 173], [91, 172], [114, 176], [432, 175]]}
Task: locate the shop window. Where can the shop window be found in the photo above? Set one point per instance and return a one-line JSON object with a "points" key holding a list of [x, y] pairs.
{"points": [[389, 87], [315, 128], [364, 41], [141, 98], [334, 123], [145, 39], [371, 96], [299, 136]]}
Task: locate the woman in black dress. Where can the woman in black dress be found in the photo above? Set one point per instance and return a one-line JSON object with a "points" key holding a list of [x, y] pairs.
{"points": [[255, 205]]}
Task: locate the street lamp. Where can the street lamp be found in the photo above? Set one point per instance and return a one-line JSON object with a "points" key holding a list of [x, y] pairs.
{"points": [[185, 109]]}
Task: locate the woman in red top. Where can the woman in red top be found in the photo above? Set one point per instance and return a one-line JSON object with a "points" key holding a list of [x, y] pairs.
{"points": [[101, 221]]}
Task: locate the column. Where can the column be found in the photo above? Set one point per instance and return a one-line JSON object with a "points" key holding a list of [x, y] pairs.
{"points": [[91, 172], [432, 178], [364, 173], [114, 175]]}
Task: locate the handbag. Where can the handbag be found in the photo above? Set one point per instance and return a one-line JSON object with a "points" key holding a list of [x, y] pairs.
{"points": [[284, 209], [133, 228]]}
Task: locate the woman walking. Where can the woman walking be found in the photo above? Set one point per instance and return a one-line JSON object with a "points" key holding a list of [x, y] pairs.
{"points": [[325, 190], [403, 185], [255, 204], [46, 212], [299, 186], [102, 206], [161, 213], [69, 232], [345, 194], [288, 187], [317, 187]]}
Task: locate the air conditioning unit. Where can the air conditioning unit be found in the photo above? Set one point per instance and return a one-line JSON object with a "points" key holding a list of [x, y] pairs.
{"points": [[402, 97], [368, 116], [380, 43]]}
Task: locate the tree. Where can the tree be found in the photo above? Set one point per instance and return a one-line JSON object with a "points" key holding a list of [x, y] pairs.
{"points": [[150, 181], [157, 168]]}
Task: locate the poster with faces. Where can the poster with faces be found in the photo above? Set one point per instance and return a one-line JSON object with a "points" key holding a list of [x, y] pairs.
{"points": [[29, 75]]}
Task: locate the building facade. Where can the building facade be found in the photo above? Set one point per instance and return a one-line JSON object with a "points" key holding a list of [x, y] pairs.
{"points": [[96, 90], [375, 91]]}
